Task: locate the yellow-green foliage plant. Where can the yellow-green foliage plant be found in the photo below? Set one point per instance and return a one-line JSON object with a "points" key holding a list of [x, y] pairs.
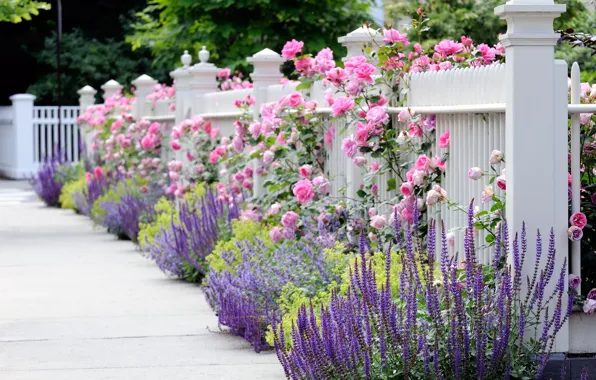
{"points": [[98, 213], [293, 298], [166, 210], [69, 189], [241, 230]]}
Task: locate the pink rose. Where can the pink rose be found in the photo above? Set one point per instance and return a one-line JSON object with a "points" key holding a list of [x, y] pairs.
{"points": [[275, 208], [475, 173], [448, 47], [496, 157], [176, 145], [574, 281], [451, 239], [406, 188], [444, 140], [354, 62], [349, 147], [295, 99], [305, 171], [342, 105], [224, 73], [362, 131], [378, 222], [374, 166], [322, 184], [392, 36], [289, 233], [329, 96], [337, 76], [589, 306], [329, 135], [579, 220], [501, 182], [360, 161], [422, 163], [364, 72], [376, 116], [291, 48], [303, 191], [404, 116], [584, 118], [289, 219], [575, 233], [98, 171], [276, 235], [268, 157]]}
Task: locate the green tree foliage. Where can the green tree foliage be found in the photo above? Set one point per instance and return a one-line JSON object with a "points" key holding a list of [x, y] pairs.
{"points": [[235, 29], [16, 11], [89, 61]]}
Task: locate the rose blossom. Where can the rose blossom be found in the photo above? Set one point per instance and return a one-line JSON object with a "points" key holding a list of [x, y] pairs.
{"points": [[496, 157], [303, 191], [574, 281], [295, 99], [275, 208], [322, 184], [360, 161], [392, 36], [475, 173], [337, 76], [305, 171], [176, 145], [404, 116], [289, 219], [487, 194], [291, 48], [501, 182], [268, 157], [450, 239], [444, 140], [374, 166], [406, 188], [349, 147], [578, 219], [342, 105], [422, 162], [575, 233], [377, 116], [378, 221], [289, 233], [276, 235], [590, 303]]}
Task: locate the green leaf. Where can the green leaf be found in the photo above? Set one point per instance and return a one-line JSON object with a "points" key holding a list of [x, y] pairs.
{"points": [[361, 193], [391, 184]]}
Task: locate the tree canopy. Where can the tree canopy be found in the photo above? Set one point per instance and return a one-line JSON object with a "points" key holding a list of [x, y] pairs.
{"points": [[235, 29], [15, 11]]}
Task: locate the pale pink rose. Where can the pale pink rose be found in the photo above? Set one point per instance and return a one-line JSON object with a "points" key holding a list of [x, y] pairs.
{"points": [[404, 116], [174, 176], [575, 233], [585, 118], [374, 166], [574, 281], [372, 212], [289, 233], [268, 157], [418, 177], [451, 239], [578, 219], [303, 191], [392, 36], [276, 235], [487, 194], [289, 219], [342, 105], [329, 135], [337, 76], [360, 161], [291, 48], [589, 306], [446, 65], [329, 96], [378, 222], [501, 182], [444, 140], [275, 208], [322, 184], [353, 62], [422, 162], [305, 171], [238, 144], [406, 188], [432, 197], [362, 132], [255, 130], [496, 156], [349, 147], [376, 116], [295, 99], [418, 48], [475, 173]]}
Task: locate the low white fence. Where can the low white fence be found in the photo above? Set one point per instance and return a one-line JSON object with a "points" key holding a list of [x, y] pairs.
{"points": [[519, 108], [30, 134]]}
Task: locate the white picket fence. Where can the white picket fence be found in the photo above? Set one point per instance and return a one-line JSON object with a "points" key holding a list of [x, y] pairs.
{"points": [[519, 108], [30, 134]]}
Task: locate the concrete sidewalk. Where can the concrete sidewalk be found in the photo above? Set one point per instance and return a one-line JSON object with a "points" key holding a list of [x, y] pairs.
{"points": [[77, 304]]}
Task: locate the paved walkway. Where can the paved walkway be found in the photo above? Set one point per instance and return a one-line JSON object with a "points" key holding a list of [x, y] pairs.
{"points": [[75, 304]]}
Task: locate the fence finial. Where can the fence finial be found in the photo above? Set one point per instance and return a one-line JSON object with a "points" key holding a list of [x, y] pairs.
{"points": [[186, 59], [110, 88], [204, 55], [87, 97], [357, 39]]}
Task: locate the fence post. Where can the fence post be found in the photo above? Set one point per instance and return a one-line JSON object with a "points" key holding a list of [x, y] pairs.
{"points": [[86, 100], [266, 72], [536, 132], [143, 87], [183, 78], [355, 42], [110, 88], [24, 165], [203, 81]]}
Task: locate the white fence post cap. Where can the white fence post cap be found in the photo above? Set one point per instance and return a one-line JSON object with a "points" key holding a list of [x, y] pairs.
{"points": [[111, 84], [87, 90], [17, 97], [186, 59], [362, 34], [144, 80], [266, 55]]}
